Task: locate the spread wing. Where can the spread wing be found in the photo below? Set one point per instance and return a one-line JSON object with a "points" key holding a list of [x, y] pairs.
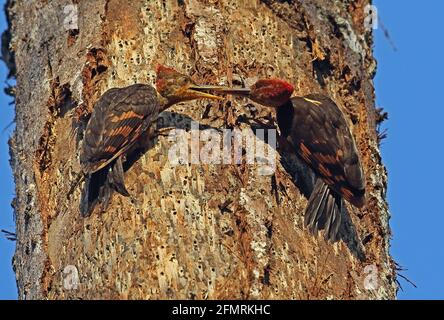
{"points": [[119, 117], [320, 134]]}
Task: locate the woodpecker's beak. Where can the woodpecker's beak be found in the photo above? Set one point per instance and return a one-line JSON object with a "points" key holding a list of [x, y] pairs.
{"points": [[227, 90], [194, 91]]}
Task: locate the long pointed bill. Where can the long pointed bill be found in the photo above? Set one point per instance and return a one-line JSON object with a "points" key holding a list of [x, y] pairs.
{"points": [[225, 90], [198, 91]]}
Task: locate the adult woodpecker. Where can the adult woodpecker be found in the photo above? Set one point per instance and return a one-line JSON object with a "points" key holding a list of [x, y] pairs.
{"points": [[315, 129], [118, 120]]}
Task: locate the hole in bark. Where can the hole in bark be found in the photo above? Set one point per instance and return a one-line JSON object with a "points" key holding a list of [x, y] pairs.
{"points": [[33, 245], [188, 30], [269, 226], [355, 84], [72, 36], [26, 219], [266, 277], [354, 118], [367, 239], [335, 27], [322, 69]]}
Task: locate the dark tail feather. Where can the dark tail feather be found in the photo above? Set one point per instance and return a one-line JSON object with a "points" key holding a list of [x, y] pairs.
{"points": [[324, 211], [100, 185], [116, 178], [93, 191]]}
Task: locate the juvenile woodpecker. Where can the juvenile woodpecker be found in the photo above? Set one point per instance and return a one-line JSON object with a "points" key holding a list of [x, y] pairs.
{"points": [[314, 128], [118, 120]]}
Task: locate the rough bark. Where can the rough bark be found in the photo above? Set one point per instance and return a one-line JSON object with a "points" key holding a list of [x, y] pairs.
{"points": [[191, 231]]}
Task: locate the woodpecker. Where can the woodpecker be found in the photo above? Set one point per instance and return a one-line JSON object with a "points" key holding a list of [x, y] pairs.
{"points": [[118, 120], [314, 128]]}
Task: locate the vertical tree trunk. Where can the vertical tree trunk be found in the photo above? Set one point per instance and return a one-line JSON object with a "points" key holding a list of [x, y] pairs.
{"points": [[190, 231]]}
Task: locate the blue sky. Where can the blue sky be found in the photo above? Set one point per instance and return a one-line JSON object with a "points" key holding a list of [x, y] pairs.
{"points": [[7, 279], [408, 86]]}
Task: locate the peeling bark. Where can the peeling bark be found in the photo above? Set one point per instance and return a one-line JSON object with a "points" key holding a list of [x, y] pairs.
{"points": [[190, 231]]}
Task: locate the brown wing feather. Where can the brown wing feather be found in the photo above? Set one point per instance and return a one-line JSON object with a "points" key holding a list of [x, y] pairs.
{"points": [[318, 131], [118, 119]]}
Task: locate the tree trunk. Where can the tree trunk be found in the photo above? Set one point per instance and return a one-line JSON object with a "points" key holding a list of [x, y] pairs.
{"points": [[196, 231]]}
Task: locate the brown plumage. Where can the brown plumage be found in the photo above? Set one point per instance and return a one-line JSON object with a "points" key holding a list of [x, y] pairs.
{"points": [[314, 128], [319, 132], [120, 117]]}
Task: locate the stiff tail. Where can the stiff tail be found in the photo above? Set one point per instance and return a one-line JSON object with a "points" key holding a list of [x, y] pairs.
{"points": [[116, 179], [324, 211], [100, 185]]}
